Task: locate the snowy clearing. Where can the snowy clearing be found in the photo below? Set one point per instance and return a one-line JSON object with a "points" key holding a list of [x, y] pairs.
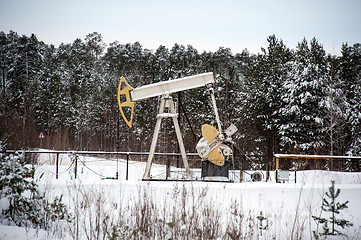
{"points": [[287, 207]]}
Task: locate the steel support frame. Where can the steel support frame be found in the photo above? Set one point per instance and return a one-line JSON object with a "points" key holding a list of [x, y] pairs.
{"points": [[166, 102]]}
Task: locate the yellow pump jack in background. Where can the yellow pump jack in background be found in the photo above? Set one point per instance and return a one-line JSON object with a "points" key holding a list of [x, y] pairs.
{"points": [[210, 147]]}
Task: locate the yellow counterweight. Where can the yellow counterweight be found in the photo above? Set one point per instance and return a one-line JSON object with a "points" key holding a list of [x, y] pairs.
{"points": [[210, 135]]}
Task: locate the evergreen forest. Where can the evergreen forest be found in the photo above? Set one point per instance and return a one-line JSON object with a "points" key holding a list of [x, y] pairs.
{"points": [[282, 100]]}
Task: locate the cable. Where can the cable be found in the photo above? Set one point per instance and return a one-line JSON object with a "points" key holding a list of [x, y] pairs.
{"points": [[77, 157], [68, 167], [157, 175], [242, 154], [62, 171]]}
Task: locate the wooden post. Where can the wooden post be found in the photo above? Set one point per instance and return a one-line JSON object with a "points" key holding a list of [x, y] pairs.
{"points": [[126, 173], [167, 173], [267, 171], [277, 166], [240, 173], [117, 172], [57, 166], [76, 165]]}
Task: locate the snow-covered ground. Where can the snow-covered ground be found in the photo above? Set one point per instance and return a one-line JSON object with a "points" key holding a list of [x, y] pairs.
{"points": [[287, 207]]}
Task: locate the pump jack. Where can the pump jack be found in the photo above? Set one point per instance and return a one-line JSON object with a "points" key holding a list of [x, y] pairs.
{"points": [[211, 147]]}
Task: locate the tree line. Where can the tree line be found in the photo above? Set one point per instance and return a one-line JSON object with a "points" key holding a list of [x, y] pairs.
{"points": [[300, 100]]}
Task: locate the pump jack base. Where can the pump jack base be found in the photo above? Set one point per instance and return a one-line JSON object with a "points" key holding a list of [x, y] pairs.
{"points": [[209, 173], [212, 171]]}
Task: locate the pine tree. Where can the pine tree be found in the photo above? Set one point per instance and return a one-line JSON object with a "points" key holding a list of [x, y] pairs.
{"points": [[336, 105], [21, 62], [12, 187], [264, 88], [330, 205], [303, 126], [281, 99], [262, 226], [351, 77], [26, 206]]}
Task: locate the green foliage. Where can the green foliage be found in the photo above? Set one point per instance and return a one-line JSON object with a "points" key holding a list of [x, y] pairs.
{"points": [[25, 205], [264, 89], [330, 205], [303, 127], [281, 99]]}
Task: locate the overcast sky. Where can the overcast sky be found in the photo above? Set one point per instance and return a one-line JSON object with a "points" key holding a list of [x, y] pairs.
{"points": [[206, 25]]}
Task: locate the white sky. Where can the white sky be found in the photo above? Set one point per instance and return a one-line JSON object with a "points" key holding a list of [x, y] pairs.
{"points": [[204, 24]]}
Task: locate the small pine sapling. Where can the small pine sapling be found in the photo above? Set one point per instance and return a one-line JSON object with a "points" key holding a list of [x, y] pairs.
{"points": [[25, 206], [330, 205], [262, 226]]}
